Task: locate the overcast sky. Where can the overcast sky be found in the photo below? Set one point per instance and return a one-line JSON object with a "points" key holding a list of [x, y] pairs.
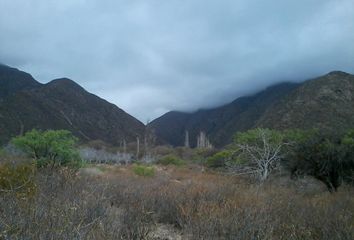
{"points": [[152, 56]]}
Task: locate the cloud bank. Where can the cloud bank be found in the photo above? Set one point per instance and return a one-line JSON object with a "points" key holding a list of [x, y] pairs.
{"points": [[149, 57]]}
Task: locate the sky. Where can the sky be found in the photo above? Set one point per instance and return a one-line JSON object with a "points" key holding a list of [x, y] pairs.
{"points": [[152, 56]]}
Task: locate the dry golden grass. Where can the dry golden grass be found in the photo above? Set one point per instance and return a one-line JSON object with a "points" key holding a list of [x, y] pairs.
{"points": [[118, 204]]}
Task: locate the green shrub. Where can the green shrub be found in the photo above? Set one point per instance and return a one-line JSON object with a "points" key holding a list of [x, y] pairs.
{"points": [[171, 160], [225, 158], [51, 147], [219, 159], [200, 154], [18, 179], [325, 156], [144, 171]]}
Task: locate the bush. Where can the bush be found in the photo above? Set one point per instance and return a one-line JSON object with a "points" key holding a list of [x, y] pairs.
{"points": [[144, 171], [171, 160], [325, 156], [200, 154], [219, 159], [348, 163], [51, 147], [18, 179]]}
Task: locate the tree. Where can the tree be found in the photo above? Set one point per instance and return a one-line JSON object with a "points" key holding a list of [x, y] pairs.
{"points": [[326, 156], [55, 147], [262, 147], [295, 138]]}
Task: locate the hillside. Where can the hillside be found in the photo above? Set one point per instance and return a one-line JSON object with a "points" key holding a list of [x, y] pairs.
{"points": [[13, 80], [60, 104], [324, 102], [219, 123]]}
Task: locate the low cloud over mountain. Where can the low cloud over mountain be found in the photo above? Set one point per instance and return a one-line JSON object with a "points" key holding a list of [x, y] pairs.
{"points": [[153, 56]]}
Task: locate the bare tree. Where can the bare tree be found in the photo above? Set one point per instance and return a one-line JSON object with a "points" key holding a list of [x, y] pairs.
{"points": [[263, 148]]}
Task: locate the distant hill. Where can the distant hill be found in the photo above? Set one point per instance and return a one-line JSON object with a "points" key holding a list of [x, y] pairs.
{"points": [[60, 104], [324, 102]]}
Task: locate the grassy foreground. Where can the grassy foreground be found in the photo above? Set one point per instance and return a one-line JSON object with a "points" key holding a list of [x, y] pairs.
{"points": [[112, 202]]}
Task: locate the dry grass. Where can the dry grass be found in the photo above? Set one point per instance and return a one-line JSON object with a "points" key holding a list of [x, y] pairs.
{"points": [[119, 204]]}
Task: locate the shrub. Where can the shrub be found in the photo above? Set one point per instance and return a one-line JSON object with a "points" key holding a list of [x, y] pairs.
{"points": [[170, 160], [163, 150], [144, 171], [219, 159], [200, 154], [348, 163], [92, 155], [325, 156], [51, 147], [18, 179]]}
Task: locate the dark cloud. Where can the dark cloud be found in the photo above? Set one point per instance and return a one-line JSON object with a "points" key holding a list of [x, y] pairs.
{"points": [[149, 57]]}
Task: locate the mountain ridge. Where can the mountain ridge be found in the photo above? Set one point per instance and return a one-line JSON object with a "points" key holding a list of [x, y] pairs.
{"points": [[60, 104], [323, 102], [221, 123]]}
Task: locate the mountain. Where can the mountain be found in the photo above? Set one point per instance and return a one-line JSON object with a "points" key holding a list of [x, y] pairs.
{"points": [[13, 80], [60, 104], [218, 123], [324, 102]]}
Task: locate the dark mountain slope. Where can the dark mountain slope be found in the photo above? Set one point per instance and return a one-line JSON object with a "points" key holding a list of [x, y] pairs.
{"points": [[63, 104], [219, 123], [13, 80], [326, 102]]}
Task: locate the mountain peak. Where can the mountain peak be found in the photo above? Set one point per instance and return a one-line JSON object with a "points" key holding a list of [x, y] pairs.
{"points": [[7, 69], [13, 80], [338, 73], [64, 83]]}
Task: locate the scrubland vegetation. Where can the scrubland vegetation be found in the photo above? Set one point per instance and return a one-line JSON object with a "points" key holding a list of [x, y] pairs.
{"points": [[48, 192]]}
